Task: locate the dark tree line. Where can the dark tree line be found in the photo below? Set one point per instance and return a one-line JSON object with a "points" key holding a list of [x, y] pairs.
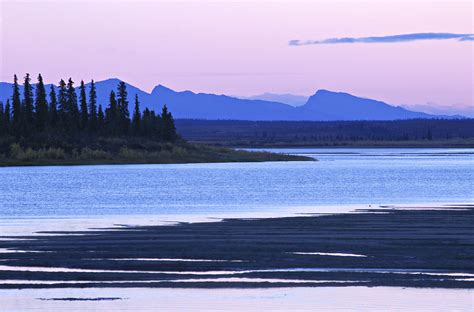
{"points": [[320, 132], [65, 113]]}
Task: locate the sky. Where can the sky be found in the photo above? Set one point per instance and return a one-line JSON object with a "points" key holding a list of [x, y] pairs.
{"points": [[416, 52]]}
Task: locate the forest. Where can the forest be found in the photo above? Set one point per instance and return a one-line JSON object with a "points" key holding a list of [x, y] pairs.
{"points": [[65, 126], [399, 133], [72, 117]]}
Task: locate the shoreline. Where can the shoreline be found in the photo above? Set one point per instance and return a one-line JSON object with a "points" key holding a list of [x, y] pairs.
{"points": [[114, 163], [271, 147], [28, 225], [104, 151], [374, 247], [247, 158], [381, 144]]}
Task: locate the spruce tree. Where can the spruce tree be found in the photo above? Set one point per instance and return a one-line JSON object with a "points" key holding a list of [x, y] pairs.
{"points": [[73, 116], [136, 117], [28, 104], [41, 105], [84, 110], [16, 102], [2, 119], [122, 106], [7, 116], [112, 119], [92, 107], [100, 119], [429, 135], [146, 122], [156, 125], [53, 108], [63, 114], [168, 126], [62, 105]]}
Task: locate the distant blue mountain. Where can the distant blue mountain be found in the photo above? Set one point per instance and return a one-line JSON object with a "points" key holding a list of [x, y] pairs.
{"points": [[210, 106], [103, 89], [290, 99], [323, 105], [330, 105]]}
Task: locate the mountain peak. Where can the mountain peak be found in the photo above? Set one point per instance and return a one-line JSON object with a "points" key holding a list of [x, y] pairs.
{"points": [[161, 89], [323, 105], [325, 92], [110, 80], [321, 91], [285, 98], [345, 106]]}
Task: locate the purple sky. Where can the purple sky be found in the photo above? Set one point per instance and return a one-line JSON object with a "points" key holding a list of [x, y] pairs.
{"points": [[241, 48]]}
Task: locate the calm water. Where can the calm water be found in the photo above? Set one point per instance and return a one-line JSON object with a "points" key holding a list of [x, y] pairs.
{"points": [[340, 177], [68, 198], [275, 299]]}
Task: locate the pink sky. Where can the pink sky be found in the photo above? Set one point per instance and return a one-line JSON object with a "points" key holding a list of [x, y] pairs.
{"points": [[241, 48]]}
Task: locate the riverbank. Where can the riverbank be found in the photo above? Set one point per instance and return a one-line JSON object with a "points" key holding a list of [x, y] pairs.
{"points": [[130, 151], [423, 247]]}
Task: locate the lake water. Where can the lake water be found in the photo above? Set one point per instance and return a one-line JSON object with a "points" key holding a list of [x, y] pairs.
{"points": [[274, 299], [79, 197], [341, 178]]}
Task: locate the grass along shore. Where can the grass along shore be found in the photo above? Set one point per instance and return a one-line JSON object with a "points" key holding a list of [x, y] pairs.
{"points": [[71, 128], [129, 151]]}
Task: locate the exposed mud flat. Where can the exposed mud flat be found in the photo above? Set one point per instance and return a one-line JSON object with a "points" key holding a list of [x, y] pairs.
{"points": [[428, 247]]}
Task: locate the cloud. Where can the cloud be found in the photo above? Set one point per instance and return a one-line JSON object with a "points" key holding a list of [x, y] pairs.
{"points": [[467, 38], [387, 39]]}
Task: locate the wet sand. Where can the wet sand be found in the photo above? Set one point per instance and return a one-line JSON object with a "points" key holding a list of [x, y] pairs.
{"points": [[427, 247]]}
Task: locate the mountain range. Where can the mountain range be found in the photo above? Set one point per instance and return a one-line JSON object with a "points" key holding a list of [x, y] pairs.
{"points": [[324, 105], [290, 99]]}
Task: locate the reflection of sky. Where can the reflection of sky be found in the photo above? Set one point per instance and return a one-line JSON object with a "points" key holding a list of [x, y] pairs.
{"points": [[242, 48], [253, 299], [156, 193]]}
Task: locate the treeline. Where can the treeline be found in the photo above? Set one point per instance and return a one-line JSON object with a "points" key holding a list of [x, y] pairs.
{"points": [[64, 112], [322, 133]]}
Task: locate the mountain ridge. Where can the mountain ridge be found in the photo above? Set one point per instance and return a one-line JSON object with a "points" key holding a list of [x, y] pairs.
{"points": [[323, 105], [285, 98]]}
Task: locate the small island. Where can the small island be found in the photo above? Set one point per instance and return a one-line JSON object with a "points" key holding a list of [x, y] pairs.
{"points": [[65, 126]]}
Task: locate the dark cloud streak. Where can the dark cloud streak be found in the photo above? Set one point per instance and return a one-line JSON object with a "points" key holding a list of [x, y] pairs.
{"points": [[387, 39]]}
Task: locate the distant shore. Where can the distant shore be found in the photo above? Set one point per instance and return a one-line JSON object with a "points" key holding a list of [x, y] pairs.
{"points": [[388, 246], [452, 143], [362, 133]]}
